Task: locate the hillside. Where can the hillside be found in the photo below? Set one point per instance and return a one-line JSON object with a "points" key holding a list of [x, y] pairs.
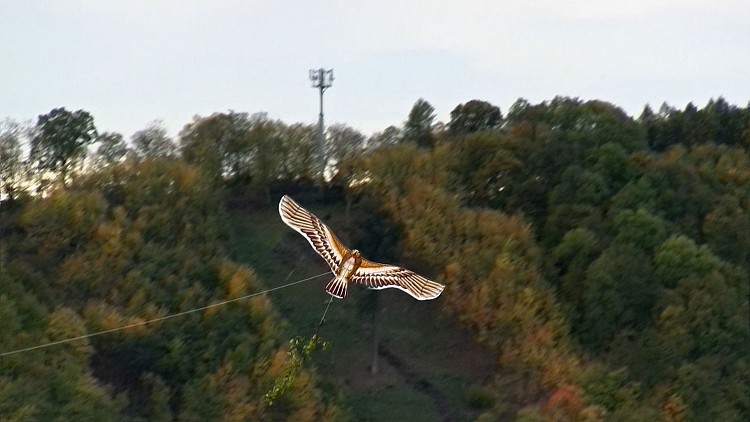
{"points": [[426, 364], [597, 267]]}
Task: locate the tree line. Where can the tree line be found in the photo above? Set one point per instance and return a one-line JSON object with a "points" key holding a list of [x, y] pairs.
{"points": [[603, 258]]}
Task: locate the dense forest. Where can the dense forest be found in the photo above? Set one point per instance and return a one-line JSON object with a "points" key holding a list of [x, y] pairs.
{"points": [[600, 262]]}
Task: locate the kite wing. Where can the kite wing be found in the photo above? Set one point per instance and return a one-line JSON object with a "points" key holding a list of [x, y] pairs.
{"points": [[382, 276], [315, 231]]}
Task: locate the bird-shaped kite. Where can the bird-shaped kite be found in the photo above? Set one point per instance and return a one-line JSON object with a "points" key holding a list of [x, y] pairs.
{"points": [[348, 265]]}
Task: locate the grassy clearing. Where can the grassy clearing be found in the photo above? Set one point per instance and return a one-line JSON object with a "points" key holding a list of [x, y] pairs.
{"points": [[431, 348], [398, 403]]}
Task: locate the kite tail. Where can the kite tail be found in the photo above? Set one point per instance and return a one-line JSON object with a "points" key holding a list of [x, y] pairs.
{"points": [[337, 287]]}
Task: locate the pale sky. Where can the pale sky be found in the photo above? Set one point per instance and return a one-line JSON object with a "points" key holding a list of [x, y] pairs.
{"points": [[131, 62]]}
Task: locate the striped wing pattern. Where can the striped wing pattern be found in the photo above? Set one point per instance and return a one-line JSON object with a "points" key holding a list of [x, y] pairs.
{"points": [[370, 274], [382, 276], [318, 234]]}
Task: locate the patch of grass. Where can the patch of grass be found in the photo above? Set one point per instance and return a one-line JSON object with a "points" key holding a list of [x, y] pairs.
{"points": [[454, 388], [254, 236], [393, 404], [479, 397]]}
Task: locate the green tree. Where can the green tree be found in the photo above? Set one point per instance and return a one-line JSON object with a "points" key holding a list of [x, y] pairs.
{"points": [[112, 148], [474, 116], [619, 293], [389, 136], [662, 128], [519, 111], [219, 144], [648, 120], [679, 257], [733, 122], [299, 161], [612, 161], [640, 193], [250, 152], [640, 229], [486, 169], [60, 141], [153, 142], [343, 144], [53, 383], [568, 263], [699, 340], [418, 126], [268, 153], [580, 186], [727, 230], [576, 201], [12, 166], [157, 404]]}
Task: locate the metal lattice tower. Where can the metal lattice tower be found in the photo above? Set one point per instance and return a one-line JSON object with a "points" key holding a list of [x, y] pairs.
{"points": [[321, 79]]}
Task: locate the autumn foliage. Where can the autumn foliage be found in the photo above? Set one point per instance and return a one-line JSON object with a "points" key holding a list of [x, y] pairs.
{"points": [[601, 259]]}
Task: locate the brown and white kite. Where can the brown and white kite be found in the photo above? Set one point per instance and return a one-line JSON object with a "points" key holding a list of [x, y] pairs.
{"points": [[348, 265]]}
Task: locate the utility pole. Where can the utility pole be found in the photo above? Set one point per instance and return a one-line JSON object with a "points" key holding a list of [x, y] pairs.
{"points": [[321, 79]]}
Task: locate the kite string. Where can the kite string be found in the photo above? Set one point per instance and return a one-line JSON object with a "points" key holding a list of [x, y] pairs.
{"points": [[202, 308], [323, 318]]}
